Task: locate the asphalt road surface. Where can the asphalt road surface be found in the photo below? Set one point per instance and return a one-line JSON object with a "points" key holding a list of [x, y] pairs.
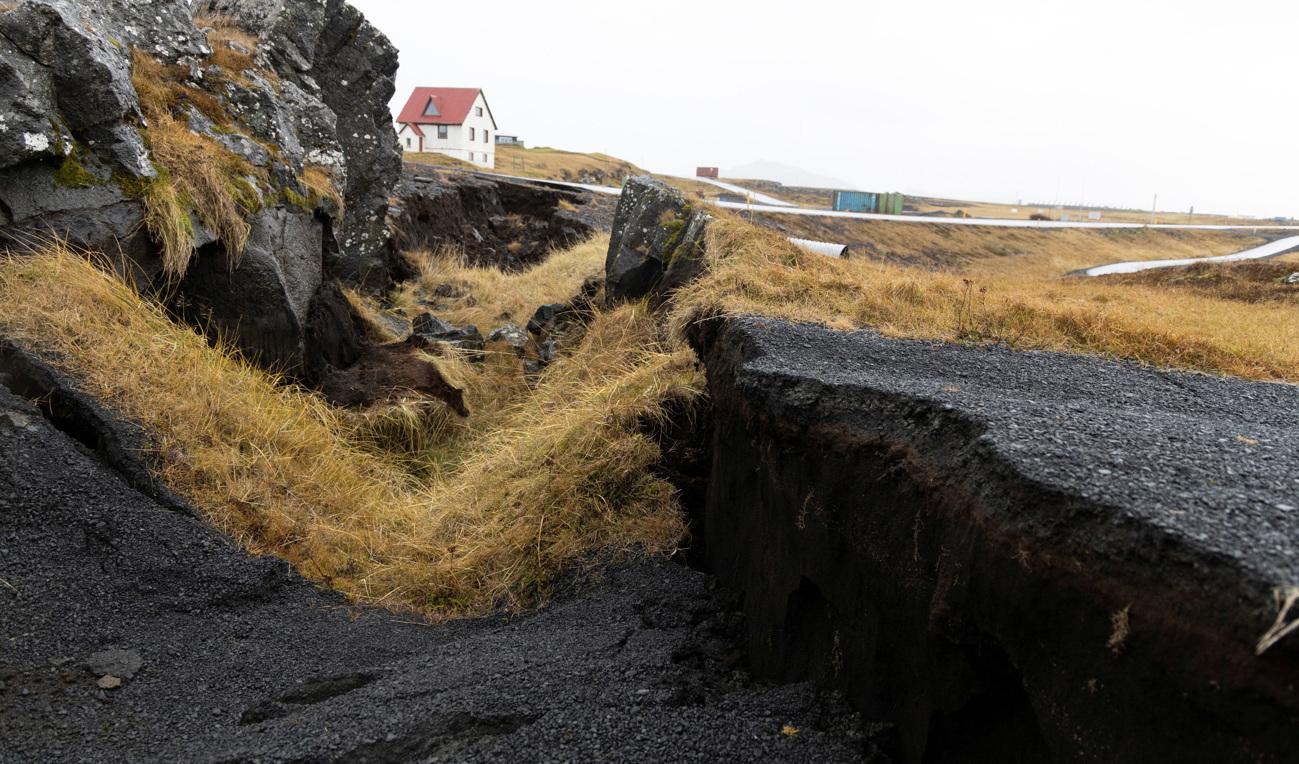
{"points": [[1210, 462]]}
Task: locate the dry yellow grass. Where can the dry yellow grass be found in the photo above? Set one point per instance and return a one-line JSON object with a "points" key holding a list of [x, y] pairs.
{"points": [[1044, 251], [555, 164], [439, 160], [565, 477], [196, 173], [492, 297], [234, 49], [755, 271], [320, 184], [1024, 212]]}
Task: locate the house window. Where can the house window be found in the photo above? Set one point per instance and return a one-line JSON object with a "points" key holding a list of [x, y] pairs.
{"points": [[408, 143], [471, 133], [478, 111], [432, 109], [484, 136], [442, 132]]}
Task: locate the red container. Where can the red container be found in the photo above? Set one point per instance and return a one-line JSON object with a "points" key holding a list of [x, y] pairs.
{"points": [[706, 172]]}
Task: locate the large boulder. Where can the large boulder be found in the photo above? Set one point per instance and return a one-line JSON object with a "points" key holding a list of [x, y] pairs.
{"points": [[328, 51], [657, 242], [274, 299], [296, 90]]}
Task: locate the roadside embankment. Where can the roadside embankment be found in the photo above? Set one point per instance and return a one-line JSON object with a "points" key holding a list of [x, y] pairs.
{"points": [[1011, 556]]}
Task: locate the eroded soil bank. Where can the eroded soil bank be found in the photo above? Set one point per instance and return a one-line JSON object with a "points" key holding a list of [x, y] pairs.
{"points": [[1009, 556]]}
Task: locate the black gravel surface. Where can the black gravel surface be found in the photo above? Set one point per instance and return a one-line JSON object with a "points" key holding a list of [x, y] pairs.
{"points": [[1210, 463], [227, 657], [1008, 555]]}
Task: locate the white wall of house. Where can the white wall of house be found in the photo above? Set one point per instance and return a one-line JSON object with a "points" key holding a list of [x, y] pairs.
{"points": [[478, 134], [474, 141]]}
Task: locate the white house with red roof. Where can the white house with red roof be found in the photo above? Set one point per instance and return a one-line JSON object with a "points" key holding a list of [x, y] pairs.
{"points": [[452, 121]]}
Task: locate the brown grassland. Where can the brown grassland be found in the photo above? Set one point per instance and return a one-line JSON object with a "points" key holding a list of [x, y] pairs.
{"points": [[1023, 302], [1044, 252], [556, 164], [545, 163]]}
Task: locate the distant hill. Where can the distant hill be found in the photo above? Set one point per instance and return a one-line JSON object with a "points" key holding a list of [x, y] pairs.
{"points": [[782, 173]]}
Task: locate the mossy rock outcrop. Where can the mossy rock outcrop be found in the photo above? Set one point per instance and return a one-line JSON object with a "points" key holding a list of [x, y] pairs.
{"points": [[106, 108], [657, 243]]}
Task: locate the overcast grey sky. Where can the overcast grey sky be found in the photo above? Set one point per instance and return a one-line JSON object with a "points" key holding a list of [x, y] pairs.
{"points": [[1106, 103]]}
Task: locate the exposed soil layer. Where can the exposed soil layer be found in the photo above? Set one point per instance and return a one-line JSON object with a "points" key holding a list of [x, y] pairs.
{"points": [[230, 657], [495, 221], [1011, 556]]}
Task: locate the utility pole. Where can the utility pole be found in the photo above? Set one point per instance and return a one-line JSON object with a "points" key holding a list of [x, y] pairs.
{"points": [[1154, 206]]}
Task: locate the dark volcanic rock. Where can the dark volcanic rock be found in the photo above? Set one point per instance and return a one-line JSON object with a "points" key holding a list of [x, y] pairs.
{"points": [[329, 51], [430, 327], [657, 242], [1010, 555], [245, 661], [556, 317], [265, 302], [71, 145], [122, 445], [494, 221], [512, 335], [384, 372]]}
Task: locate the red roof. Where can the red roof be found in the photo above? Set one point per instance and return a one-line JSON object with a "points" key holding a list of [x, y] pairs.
{"points": [[450, 106]]}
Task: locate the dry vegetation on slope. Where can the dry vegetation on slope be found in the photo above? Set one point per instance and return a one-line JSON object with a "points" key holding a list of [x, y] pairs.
{"points": [[410, 506], [1046, 251], [1024, 302], [555, 164], [564, 476], [489, 297]]}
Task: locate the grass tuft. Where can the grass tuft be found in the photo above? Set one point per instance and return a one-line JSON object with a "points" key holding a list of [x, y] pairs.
{"points": [[320, 185], [196, 174]]}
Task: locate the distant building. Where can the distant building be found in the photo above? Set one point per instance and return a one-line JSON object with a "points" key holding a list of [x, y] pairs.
{"points": [[456, 122], [509, 140], [707, 172]]}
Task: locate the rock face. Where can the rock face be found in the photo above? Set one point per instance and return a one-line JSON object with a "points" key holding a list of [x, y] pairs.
{"points": [[331, 53], [1008, 555], [269, 296], [74, 156], [65, 84], [656, 244], [496, 222]]}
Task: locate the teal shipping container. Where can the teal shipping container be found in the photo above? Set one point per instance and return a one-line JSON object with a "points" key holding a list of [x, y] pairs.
{"points": [[855, 201]]}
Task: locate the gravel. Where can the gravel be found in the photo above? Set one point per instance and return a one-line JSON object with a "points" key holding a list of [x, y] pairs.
{"points": [[236, 658], [1208, 463]]}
